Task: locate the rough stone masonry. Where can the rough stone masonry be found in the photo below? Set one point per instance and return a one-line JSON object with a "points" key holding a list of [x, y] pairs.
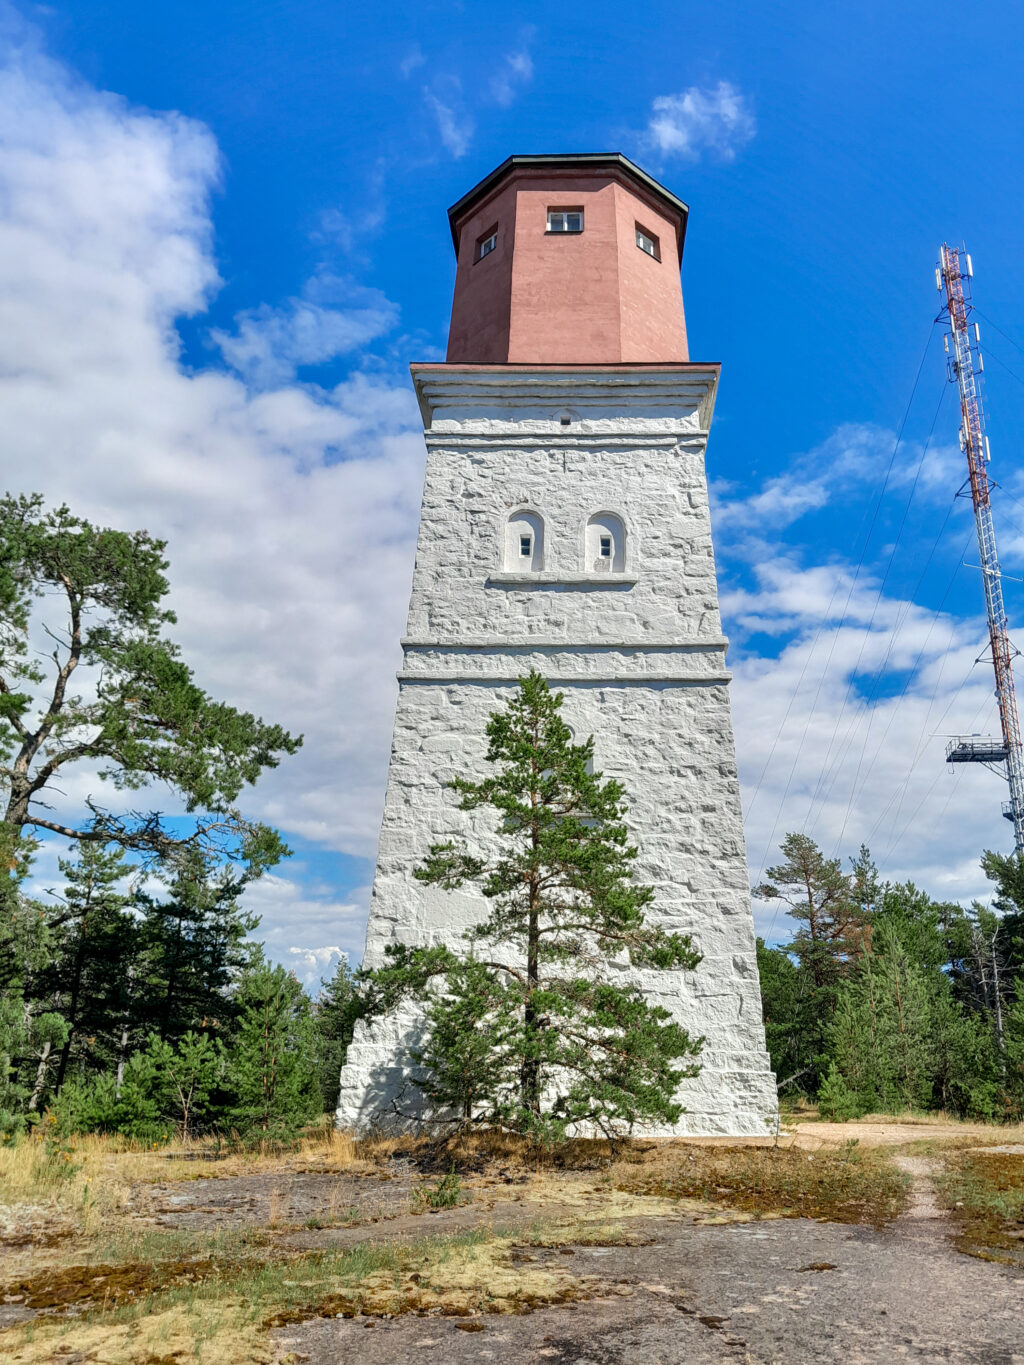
{"points": [[565, 527]]}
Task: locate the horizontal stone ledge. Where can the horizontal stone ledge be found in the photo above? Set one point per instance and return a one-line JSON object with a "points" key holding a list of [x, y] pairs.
{"points": [[441, 439], [700, 645], [715, 679], [570, 580]]}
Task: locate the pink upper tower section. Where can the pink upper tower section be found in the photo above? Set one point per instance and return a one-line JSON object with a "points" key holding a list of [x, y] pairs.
{"points": [[568, 260]]}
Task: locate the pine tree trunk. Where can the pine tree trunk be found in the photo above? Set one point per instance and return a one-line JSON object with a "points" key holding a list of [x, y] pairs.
{"points": [[530, 1093], [122, 1046], [76, 989], [999, 1005], [531, 1064], [37, 1089]]}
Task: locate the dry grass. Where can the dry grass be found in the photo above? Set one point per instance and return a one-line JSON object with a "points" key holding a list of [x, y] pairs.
{"points": [[842, 1184], [39, 1166], [490, 1152], [221, 1312], [918, 1134]]}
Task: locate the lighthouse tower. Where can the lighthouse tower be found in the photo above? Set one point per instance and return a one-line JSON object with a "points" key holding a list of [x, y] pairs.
{"points": [[565, 528]]}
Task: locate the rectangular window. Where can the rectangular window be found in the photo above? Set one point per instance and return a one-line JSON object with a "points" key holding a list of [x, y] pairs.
{"points": [[526, 546], [486, 244], [606, 547], [647, 243], [565, 220]]}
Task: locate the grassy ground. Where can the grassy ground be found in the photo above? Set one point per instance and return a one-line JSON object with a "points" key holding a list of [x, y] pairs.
{"points": [[983, 1189], [94, 1263], [219, 1308], [844, 1184]]}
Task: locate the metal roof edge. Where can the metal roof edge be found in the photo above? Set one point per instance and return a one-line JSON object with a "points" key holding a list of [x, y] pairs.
{"points": [[541, 159]]}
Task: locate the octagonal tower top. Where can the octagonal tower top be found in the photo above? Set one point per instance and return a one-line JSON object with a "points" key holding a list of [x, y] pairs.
{"points": [[568, 260]]}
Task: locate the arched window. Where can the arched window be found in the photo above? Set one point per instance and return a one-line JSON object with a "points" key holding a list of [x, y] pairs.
{"points": [[524, 543], [606, 544]]}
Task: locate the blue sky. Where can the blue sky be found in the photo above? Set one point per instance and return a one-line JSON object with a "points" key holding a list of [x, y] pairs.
{"points": [[234, 218]]}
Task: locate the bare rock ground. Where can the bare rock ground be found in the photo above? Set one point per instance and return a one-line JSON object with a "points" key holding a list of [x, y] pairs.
{"points": [[787, 1291]]}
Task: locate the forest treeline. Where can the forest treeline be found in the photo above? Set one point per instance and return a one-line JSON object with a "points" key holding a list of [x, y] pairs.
{"points": [[150, 1012], [883, 999]]}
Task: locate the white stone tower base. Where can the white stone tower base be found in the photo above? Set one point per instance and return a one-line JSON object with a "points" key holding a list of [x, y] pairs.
{"points": [[634, 641]]}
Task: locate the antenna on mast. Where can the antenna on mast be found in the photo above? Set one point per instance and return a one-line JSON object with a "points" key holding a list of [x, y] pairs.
{"points": [[964, 366]]}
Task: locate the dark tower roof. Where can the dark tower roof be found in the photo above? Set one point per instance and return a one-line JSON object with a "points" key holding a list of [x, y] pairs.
{"points": [[584, 161]]}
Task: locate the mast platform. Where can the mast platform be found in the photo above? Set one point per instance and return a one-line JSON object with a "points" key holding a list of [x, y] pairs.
{"points": [[976, 749]]}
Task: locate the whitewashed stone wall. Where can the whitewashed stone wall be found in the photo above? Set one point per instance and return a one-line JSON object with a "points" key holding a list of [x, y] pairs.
{"points": [[640, 657]]}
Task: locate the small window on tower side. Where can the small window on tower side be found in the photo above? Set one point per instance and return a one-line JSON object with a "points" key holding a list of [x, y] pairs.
{"points": [[605, 544], [565, 220], [647, 243], [524, 542], [487, 243]]}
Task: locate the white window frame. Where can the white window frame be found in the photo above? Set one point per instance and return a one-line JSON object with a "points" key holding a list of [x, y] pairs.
{"points": [[647, 243], [488, 245], [600, 525], [558, 221], [525, 545], [524, 522]]}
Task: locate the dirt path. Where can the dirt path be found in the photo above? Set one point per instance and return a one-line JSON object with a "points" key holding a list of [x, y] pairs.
{"points": [[889, 1133], [924, 1206]]}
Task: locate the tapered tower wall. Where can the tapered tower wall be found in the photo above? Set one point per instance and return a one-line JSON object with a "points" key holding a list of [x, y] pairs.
{"points": [[635, 645]]}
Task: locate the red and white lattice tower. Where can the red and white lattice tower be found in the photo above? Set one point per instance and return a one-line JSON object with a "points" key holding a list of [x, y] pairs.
{"points": [[965, 366]]}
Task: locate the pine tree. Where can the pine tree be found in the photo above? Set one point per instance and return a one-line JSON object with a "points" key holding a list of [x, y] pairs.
{"points": [[186, 1076], [820, 898], [865, 890], [193, 946], [94, 943], [1014, 1046], [856, 1051], [559, 1041], [882, 1035], [471, 1060], [968, 1079], [272, 1062], [118, 697], [783, 987], [30, 1029], [335, 1013], [832, 910], [835, 1098]]}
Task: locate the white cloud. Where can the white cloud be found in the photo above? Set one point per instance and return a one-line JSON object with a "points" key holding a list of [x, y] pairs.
{"points": [[454, 125], [854, 457], [290, 512], [313, 965], [304, 924], [514, 73], [831, 743], [413, 58], [716, 119], [842, 736], [270, 344]]}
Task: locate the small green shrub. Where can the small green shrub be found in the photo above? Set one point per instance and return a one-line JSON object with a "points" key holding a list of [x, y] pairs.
{"points": [[835, 1098], [447, 1193]]}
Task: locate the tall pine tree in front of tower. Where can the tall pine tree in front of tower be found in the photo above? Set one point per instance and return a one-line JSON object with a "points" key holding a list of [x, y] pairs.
{"points": [[543, 1026]]}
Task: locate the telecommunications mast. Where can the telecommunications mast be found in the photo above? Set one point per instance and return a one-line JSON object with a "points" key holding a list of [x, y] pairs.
{"points": [[965, 365]]}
